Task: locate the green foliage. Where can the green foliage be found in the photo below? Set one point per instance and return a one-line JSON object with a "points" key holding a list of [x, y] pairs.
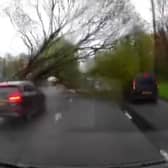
{"points": [[10, 65], [59, 60], [62, 47], [161, 54], [133, 54], [163, 90], [144, 47], [70, 74]]}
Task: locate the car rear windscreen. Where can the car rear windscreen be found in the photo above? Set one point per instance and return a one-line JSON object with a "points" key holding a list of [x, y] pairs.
{"points": [[6, 90], [146, 81]]}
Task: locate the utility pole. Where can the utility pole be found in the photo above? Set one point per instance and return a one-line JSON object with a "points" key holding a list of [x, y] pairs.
{"points": [[155, 36], [3, 68]]}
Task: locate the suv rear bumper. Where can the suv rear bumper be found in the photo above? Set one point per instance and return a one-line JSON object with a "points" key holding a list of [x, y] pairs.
{"points": [[140, 96]]}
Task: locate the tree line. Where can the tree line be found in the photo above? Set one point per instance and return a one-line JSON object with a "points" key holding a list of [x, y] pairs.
{"points": [[60, 35], [55, 30]]}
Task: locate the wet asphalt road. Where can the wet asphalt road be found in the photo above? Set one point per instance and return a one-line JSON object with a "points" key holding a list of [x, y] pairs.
{"points": [[152, 119], [85, 132]]}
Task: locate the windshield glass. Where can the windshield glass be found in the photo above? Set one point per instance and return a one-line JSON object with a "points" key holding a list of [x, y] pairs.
{"points": [[146, 81], [6, 90], [94, 83]]}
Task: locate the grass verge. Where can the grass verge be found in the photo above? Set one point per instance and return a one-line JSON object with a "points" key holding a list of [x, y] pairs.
{"points": [[163, 90]]}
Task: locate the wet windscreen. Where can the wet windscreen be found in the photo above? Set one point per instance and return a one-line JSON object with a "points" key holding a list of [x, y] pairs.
{"points": [[92, 79]]}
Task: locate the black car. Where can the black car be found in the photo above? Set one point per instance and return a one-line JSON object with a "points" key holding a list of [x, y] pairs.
{"points": [[143, 87], [20, 99]]}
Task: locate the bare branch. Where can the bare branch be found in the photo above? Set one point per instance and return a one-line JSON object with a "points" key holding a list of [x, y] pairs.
{"points": [[35, 38], [51, 24], [41, 20], [85, 23], [7, 12]]}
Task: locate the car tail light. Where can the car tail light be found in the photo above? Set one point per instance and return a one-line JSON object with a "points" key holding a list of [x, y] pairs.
{"points": [[15, 98], [134, 84]]}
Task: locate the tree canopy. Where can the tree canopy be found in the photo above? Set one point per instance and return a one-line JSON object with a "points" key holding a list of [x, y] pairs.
{"points": [[90, 26], [132, 55]]}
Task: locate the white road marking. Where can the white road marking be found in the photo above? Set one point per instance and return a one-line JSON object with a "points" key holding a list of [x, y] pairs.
{"points": [[128, 115], [70, 100], [58, 116], [164, 154]]}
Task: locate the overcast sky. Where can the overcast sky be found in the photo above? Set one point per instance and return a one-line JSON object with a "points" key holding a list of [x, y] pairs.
{"points": [[11, 43]]}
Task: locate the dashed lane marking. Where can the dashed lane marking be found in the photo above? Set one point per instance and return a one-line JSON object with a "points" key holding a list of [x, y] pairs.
{"points": [[128, 115], [58, 116], [164, 154], [1, 120], [70, 100]]}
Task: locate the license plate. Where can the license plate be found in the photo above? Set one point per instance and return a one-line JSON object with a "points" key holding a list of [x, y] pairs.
{"points": [[146, 93]]}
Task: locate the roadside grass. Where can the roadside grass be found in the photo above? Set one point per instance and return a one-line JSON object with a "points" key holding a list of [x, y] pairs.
{"points": [[163, 90]]}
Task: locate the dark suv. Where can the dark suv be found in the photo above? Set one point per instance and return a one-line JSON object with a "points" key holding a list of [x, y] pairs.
{"points": [[20, 99], [143, 87]]}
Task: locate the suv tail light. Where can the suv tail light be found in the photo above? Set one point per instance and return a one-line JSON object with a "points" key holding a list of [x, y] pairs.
{"points": [[15, 98], [134, 84]]}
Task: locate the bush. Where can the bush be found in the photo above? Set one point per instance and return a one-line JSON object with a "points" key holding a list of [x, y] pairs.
{"points": [[131, 56]]}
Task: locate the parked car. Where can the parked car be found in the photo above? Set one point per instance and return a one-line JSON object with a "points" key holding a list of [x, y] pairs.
{"points": [[20, 99], [143, 87]]}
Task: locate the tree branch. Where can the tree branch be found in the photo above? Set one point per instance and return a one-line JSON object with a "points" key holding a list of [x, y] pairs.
{"points": [[40, 19]]}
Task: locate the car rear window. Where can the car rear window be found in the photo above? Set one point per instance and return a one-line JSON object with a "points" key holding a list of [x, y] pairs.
{"points": [[6, 90], [146, 81]]}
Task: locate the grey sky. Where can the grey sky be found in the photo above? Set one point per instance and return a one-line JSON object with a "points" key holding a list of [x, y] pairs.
{"points": [[11, 43], [144, 8]]}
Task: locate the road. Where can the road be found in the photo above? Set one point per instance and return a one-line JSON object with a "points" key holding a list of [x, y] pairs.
{"points": [[81, 132], [152, 119]]}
